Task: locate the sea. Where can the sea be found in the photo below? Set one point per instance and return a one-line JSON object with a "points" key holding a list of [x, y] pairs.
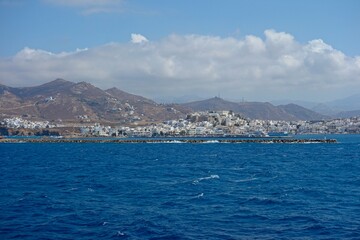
{"points": [[180, 190]]}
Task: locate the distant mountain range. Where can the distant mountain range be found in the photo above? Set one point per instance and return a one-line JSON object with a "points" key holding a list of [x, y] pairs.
{"points": [[83, 102], [344, 107], [350, 103], [257, 110]]}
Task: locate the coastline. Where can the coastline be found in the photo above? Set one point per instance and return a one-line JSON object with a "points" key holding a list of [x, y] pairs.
{"points": [[173, 140]]}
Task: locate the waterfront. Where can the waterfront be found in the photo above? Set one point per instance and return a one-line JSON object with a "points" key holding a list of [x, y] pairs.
{"points": [[210, 123], [168, 140]]}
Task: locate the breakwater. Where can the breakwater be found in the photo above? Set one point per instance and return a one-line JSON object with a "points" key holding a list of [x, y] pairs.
{"points": [[152, 140]]}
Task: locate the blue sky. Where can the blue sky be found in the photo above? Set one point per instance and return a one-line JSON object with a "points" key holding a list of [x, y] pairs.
{"points": [[59, 27]]}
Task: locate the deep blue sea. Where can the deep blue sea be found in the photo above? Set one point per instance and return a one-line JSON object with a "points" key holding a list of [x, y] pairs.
{"points": [[180, 191]]}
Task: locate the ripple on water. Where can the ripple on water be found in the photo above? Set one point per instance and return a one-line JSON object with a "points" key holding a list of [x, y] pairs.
{"points": [[179, 191]]}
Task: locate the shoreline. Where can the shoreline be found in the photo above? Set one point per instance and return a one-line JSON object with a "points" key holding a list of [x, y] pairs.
{"points": [[175, 140]]}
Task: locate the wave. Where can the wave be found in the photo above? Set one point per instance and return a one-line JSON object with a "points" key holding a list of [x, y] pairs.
{"points": [[246, 180], [213, 176], [212, 141], [200, 195], [174, 141]]}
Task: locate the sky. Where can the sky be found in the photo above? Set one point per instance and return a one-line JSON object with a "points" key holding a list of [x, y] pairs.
{"points": [[257, 50]]}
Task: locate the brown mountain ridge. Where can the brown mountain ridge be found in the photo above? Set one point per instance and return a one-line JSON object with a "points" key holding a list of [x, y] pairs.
{"points": [[74, 102], [257, 110], [82, 102]]}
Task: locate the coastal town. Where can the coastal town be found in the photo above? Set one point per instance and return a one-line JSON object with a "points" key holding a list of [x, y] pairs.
{"points": [[202, 124]]}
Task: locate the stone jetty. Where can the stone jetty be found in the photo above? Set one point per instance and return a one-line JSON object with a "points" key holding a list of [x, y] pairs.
{"points": [[154, 140]]}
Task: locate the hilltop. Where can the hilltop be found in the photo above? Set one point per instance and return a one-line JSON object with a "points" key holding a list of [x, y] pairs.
{"points": [[65, 101], [257, 110], [82, 102]]}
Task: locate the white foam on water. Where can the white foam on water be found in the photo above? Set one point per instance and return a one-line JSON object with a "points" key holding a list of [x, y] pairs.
{"points": [[162, 142], [200, 195], [246, 180], [213, 176]]}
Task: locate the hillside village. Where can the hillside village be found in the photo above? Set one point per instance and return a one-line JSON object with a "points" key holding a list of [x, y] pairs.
{"points": [[66, 108], [226, 123], [206, 123]]}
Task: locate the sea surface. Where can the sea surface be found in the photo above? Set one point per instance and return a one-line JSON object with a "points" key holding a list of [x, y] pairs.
{"points": [[180, 190]]}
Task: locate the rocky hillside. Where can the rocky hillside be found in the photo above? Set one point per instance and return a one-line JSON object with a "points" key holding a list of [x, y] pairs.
{"points": [[82, 102], [301, 113]]}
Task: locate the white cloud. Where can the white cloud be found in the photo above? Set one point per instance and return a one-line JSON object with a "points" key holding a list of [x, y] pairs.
{"points": [[271, 68], [318, 46], [138, 38], [278, 38], [255, 44], [29, 54]]}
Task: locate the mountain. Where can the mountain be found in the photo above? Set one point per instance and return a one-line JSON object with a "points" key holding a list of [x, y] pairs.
{"points": [[212, 104], [346, 104], [82, 102], [265, 111], [74, 102], [256, 110], [340, 108], [148, 108], [302, 113], [348, 114], [179, 99], [305, 104], [324, 109], [50, 88]]}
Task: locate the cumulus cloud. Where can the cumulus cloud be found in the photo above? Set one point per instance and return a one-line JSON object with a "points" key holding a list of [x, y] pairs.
{"points": [[273, 67], [138, 38]]}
